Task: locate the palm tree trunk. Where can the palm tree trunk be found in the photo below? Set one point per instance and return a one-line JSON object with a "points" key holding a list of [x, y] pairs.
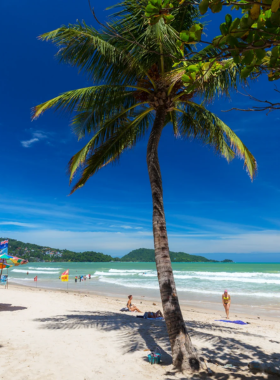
{"points": [[183, 353]]}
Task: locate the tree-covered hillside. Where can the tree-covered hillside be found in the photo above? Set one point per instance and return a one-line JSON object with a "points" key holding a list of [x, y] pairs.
{"points": [[34, 252], [148, 255]]}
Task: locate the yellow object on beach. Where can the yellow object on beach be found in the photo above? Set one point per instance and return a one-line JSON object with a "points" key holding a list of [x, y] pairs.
{"points": [[65, 276]]}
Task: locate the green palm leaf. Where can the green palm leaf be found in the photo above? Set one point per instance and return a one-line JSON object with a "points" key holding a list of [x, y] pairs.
{"points": [[124, 137], [84, 47], [197, 122]]}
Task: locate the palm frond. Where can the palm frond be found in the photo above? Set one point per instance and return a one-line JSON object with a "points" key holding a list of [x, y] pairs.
{"points": [[123, 138], [89, 119], [97, 97], [239, 148], [197, 122], [84, 47]]}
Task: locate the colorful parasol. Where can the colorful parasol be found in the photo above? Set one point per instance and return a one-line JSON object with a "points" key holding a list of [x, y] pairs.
{"points": [[5, 256], [17, 261], [6, 261], [4, 265]]}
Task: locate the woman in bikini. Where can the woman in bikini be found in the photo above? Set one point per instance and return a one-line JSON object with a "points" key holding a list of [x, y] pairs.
{"points": [[130, 306], [226, 302]]}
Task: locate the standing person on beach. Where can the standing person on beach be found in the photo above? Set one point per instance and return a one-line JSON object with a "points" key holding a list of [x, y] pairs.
{"points": [[226, 302], [6, 283]]}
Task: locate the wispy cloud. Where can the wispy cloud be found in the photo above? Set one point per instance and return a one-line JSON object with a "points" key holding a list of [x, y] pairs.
{"points": [[40, 135], [36, 136], [116, 232], [28, 143], [126, 227], [116, 243], [19, 224]]}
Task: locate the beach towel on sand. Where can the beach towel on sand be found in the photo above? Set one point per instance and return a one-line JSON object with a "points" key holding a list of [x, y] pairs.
{"points": [[146, 316], [155, 319], [227, 320]]}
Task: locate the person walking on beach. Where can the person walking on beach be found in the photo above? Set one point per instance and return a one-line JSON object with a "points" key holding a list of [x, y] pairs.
{"points": [[130, 306], [226, 302]]}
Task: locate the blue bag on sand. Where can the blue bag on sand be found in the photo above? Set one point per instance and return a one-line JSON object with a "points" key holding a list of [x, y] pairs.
{"points": [[154, 358]]}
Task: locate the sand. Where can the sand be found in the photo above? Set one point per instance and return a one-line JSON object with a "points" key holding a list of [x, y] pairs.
{"points": [[47, 334]]}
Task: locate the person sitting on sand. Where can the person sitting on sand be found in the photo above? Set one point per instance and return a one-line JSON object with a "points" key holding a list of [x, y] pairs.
{"points": [[130, 306], [226, 302], [158, 314]]}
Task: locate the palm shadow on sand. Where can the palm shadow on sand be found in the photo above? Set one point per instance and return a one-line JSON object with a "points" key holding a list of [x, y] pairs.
{"points": [[139, 334], [9, 307]]}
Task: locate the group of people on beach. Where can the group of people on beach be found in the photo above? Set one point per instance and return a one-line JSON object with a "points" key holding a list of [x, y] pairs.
{"points": [[82, 278], [225, 299]]}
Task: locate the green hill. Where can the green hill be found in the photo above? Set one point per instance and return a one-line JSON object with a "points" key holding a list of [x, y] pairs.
{"points": [[148, 255], [34, 252]]}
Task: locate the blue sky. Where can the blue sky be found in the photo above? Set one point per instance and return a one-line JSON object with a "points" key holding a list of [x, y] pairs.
{"points": [[212, 207]]}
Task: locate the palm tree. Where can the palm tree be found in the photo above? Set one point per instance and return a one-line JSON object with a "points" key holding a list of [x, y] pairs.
{"points": [[137, 87]]}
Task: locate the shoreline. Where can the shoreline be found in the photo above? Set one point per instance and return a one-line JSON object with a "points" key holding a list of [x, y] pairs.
{"points": [[236, 311], [254, 289]]}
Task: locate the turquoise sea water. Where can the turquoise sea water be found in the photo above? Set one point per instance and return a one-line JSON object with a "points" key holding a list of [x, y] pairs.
{"points": [[253, 284]]}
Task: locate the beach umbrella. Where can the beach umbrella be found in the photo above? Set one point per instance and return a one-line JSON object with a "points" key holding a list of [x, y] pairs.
{"points": [[5, 256], [12, 259], [4, 265], [8, 260], [17, 261], [3, 261]]}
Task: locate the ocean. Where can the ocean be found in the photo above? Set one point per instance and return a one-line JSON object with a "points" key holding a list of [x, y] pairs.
{"points": [[251, 285]]}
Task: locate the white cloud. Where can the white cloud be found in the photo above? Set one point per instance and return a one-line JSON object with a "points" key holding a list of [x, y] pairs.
{"points": [[115, 243], [36, 136], [123, 226], [19, 224], [40, 135], [199, 236], [266, 241], [107, 242], [28, 143]]}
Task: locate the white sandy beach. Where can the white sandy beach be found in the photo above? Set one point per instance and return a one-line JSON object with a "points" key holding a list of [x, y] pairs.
{"points": [[47, 334]]}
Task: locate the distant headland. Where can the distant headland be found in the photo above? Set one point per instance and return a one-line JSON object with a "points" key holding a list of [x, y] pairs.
{"points": [[34, 252]]}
